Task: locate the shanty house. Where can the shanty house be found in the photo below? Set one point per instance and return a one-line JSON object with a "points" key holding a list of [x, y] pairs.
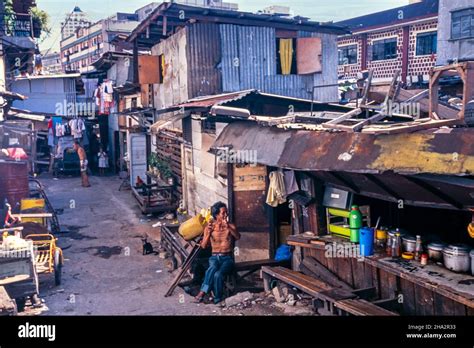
{"points": [[206, 53], [201, 51]]}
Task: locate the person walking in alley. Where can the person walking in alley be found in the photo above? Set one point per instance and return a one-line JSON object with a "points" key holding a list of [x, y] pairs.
{"points": [[221, 235], [103, 161], [83, 160]]}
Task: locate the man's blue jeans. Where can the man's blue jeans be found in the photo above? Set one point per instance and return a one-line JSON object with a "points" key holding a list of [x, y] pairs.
{"points": [[219, 267]]}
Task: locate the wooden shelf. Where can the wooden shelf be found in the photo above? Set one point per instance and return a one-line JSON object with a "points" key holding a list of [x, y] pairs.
{"points": [[432, 277]]}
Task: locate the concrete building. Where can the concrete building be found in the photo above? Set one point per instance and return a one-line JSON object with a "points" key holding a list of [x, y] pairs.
{"points": [[74, 20], [402, 38], [88, 44], [52, 63], [455, 31]]}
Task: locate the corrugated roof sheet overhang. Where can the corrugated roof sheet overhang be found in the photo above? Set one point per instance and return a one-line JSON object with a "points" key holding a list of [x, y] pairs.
{"points": [[434, 152]]}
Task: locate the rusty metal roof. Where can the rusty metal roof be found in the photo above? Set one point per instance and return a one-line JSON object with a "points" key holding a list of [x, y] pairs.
{"points": [[209, 101], [174, 11], [431, 151]]}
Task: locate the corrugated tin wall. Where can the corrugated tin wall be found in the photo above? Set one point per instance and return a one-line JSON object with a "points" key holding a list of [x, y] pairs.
{"points": [[329, 74], [203, 52], [230, 63], [174, 89], [249, 61]]}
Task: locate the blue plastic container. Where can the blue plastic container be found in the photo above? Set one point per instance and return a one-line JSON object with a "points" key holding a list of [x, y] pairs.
{"points": [[366, 237]]}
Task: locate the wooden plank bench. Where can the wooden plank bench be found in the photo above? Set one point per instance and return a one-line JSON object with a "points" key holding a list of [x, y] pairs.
{"points": [[360, 307], [250, 267], [321, 291]]}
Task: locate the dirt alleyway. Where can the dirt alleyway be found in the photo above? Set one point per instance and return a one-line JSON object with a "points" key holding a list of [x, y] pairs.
{"points": [[105, 272]]}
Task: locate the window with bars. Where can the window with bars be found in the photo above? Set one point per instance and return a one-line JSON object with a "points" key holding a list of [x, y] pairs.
{"points": [[462, 24], [426, 43], [384, 49], [347, 55]]}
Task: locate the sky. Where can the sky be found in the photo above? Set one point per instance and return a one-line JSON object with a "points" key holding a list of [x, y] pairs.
{"points": [[318, 10]]}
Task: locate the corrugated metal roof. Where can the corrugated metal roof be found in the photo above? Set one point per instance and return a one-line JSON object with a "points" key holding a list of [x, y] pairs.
{"points": [[236, 17], [408, 153], [397, 160], [209, 101], [44, 77]]}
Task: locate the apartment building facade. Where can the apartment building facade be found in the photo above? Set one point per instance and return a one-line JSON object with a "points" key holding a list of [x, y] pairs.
{"points": [[403, 38], [88, 44]]}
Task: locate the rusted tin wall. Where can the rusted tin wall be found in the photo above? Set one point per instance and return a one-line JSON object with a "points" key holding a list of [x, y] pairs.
{"points": [[249, 60], [13, 182], [174, 89], [203, 51]]}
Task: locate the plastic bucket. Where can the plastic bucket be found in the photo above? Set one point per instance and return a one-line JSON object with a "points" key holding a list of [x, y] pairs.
{"points": [[366, 237]]}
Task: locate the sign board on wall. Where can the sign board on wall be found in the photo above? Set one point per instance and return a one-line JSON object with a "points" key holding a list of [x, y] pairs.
{"points": [[249, 178]]}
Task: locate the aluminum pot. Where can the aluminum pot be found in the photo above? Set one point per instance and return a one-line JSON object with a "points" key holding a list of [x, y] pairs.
{"points": [[409, 243], [435, 251], [456, 257]]}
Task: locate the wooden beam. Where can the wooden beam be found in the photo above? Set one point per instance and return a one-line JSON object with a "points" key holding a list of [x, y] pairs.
{"points": [[259, 23], [165, 25], [393, 88], [382, 185], [410, 127], [434, 191], [367, 87], [349, 184], [378, 117], [342, 118], [417, 97]]}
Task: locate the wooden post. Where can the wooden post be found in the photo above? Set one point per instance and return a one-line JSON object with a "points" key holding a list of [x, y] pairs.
{"points": [[266, 281], [34, 139], [434, 93]]}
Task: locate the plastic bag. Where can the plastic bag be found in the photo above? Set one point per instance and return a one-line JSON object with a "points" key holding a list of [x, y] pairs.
{"points": [[283, 253]]}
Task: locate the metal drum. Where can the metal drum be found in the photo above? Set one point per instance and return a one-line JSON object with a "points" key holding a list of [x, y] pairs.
{"points": [[13, 183]]}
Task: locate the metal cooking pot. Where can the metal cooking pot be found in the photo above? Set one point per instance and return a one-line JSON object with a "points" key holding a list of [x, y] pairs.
{"points": [[456, 257], [435, 251], [409, 243]]}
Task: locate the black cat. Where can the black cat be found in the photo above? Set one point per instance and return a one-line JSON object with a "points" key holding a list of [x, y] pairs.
{"points": [[147, 247]]}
